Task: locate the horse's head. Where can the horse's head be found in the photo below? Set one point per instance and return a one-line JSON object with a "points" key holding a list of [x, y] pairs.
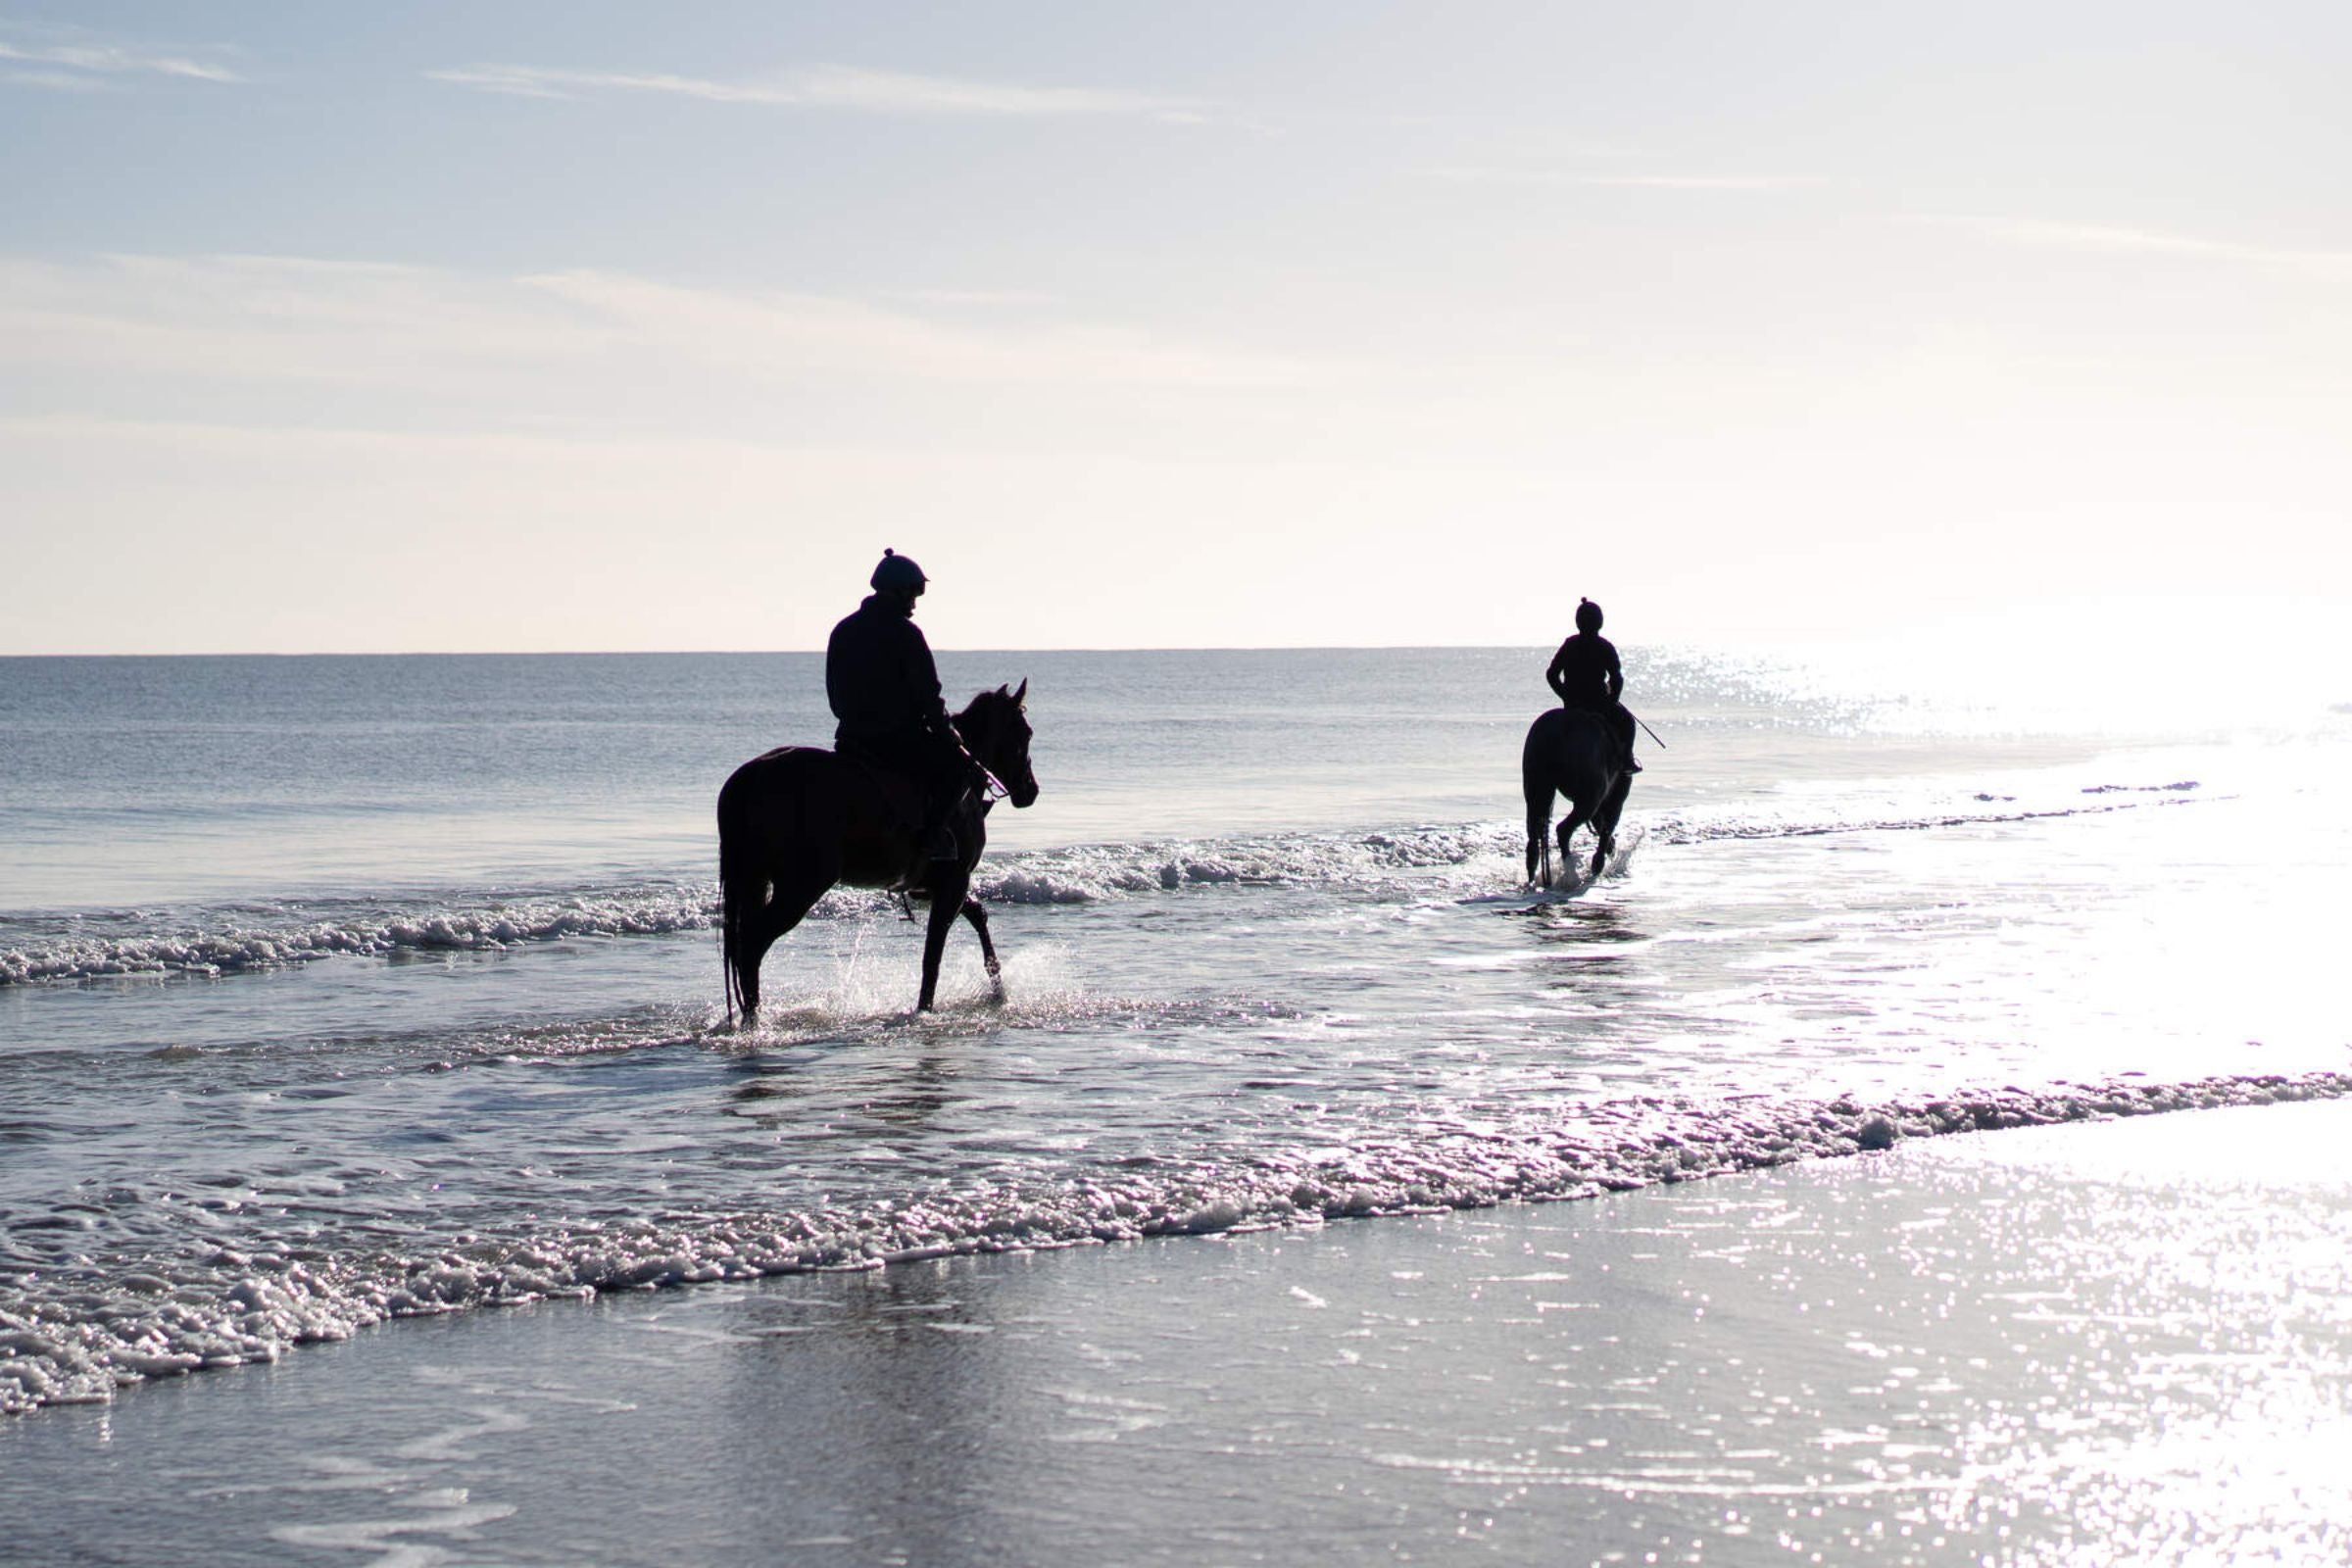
{"points": [[996, 731]]}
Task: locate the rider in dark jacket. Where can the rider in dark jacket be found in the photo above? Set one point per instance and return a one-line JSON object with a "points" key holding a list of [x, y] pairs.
{"points": [[1586, 674], [884, 689]]}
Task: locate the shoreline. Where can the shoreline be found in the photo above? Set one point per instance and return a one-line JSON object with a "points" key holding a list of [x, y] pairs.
{"points": [[2056, 1344]]}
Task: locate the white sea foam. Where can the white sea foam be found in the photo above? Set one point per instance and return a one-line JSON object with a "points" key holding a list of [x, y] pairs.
{"points": [[233, 947], [82, 1331]]}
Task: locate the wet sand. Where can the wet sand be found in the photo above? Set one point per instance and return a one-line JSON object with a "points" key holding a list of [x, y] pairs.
{"points": [[2122, 1342]]}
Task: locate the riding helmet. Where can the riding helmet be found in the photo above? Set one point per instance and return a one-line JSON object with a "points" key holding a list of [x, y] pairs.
{"points": [[1588, 615], [898, 574]]}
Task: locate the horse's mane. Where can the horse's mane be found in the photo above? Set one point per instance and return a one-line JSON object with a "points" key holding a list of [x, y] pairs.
{"points": [[972, 709]]}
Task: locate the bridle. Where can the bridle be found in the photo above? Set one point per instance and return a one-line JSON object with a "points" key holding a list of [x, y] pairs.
{"points": [[991, 787]]}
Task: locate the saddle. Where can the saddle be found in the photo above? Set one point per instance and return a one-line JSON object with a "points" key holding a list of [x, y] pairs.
{"points": [[1616, 722], [901, 792]]}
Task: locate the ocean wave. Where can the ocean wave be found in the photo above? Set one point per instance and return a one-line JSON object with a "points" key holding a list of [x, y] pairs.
{"points": [[1983, 808], [243, 938], [80, 1331], [225, 944]]}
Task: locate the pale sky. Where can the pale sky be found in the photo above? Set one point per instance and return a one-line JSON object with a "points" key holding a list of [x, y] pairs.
{"points": [[621, 327]]}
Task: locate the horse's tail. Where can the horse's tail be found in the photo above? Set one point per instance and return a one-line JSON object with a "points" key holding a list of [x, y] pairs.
{"points": [[742, 885]]}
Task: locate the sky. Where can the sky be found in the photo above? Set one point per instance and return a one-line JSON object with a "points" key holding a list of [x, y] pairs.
{"points": [[611, 327]]}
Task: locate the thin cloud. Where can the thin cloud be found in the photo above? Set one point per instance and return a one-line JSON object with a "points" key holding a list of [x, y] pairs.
{"points": [[841, 88], [976, 296], [536, 340], [754, 333], [86, 65], [55, 81], [2116, 240], [1483, 175]]}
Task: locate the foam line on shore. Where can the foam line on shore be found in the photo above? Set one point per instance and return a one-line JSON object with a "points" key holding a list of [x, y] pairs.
{"points": [[84, 1326]]}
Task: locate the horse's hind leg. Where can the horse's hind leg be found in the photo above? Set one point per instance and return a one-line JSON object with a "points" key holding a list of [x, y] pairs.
{"points": [[1604, 821], [1539, 830], [753, 938], [974, 911], [1577, 818], [761, 927]]}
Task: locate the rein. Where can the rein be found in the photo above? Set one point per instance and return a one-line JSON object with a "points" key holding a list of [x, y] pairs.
{"points": [[991, 787]]}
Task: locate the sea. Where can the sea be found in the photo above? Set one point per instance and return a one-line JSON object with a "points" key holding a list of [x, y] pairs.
{"points": [[341, 990]]}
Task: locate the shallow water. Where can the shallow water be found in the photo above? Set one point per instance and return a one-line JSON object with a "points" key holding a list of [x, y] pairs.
{"points": [[397, 992], [2089, 1344]]}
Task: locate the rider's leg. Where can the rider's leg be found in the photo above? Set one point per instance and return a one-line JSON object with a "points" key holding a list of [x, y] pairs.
{"points": [[917, 758], [943, 787]]}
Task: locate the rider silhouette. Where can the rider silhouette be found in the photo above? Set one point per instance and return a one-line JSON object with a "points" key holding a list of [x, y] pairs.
{"points": [[1586, 674], [884, 689]]}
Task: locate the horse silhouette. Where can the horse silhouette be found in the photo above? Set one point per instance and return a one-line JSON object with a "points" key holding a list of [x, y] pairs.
{"points": [[1570, 752], [794, 821]]}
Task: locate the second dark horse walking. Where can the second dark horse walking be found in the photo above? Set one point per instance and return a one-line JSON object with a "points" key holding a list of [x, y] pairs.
{"points": [[1572, 752], [796, 820]]}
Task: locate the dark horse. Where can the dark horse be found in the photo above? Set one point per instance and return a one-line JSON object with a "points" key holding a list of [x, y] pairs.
{"points": [[796, 820], [1571, 751]]}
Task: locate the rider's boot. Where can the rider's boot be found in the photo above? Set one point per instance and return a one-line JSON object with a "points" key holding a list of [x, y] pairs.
{"points": [[1624, 728]]}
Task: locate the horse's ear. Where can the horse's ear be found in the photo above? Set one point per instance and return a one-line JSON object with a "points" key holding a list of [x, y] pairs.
{"points": [[1022, 695]]}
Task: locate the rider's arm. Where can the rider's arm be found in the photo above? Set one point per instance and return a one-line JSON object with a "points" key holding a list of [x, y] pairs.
{"points": [[1616, 675], [837, 680], [922, 678], [1551, 674]]}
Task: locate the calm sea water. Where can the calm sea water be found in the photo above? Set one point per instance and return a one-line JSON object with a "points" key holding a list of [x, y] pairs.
{"points": [[336, 989]]}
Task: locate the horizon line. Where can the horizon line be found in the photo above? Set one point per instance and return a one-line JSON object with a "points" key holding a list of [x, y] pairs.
{"points": [[694, 653]]}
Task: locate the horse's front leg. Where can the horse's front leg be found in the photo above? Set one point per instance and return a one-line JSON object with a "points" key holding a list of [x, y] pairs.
{"points": [[977, 914], [948, 894]]}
